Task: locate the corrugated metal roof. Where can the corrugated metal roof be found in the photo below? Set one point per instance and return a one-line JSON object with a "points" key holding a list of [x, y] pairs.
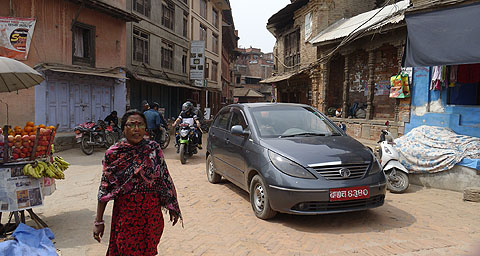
{"points": [[246, 92], [371, 20]]}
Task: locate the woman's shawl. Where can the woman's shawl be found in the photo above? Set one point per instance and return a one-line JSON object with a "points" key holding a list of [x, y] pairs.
{"points": [[137, 168]]}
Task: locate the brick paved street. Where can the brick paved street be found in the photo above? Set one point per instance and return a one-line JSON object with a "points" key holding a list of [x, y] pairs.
{"points": [[219, 220]]}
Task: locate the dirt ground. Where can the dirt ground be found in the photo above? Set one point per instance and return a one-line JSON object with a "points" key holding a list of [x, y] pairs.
{"points": [[218, 219]]}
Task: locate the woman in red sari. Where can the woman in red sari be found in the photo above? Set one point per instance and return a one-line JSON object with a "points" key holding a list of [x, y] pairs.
{"points": [[136, 177]]}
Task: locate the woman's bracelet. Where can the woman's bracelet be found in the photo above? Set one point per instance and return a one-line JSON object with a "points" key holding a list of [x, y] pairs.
{"points": [[98, 223]]}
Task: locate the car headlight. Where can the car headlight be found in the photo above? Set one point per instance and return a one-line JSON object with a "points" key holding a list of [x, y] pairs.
{"points": [[376, 167], [289, 167]]}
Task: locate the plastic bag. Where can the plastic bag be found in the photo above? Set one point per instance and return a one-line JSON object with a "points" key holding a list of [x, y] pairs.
{"points": [[399, 86]]}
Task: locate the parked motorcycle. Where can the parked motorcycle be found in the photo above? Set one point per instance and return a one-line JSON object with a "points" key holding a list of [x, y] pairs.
{"points": [[187, 145], [91, 135], [395, 172]]}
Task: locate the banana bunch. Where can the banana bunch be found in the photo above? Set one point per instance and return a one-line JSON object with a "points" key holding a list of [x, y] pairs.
{"points": [[47, 169], [36, 172], [62, 164], [53, 171]]}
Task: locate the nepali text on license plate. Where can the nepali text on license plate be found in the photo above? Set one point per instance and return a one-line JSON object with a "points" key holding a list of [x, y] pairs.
{"points": [[343, 194]]}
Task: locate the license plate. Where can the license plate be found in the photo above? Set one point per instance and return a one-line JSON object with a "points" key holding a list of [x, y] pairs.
{"points": [[343, 194]]}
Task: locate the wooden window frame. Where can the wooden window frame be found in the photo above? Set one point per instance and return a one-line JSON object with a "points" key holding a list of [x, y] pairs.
{"points": [[168, 15], [84, 61], [143, 36], [214, 71], [168, 55], [215, 43], [203, 11], [142, 6], [215, 17]]}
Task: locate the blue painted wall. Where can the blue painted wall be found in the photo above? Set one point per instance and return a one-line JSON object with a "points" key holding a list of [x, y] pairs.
{"points": [[431, 108]]}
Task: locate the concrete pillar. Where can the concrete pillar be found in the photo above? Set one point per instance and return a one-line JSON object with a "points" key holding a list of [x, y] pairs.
{"points": [[371, 83]]}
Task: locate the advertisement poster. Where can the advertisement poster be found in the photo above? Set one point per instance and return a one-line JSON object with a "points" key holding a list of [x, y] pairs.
{"points": [[197, 62], [18, 192], [15, 37]]}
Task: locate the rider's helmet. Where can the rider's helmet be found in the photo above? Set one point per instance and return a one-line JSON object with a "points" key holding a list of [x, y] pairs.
{"points": [[187, 106]]}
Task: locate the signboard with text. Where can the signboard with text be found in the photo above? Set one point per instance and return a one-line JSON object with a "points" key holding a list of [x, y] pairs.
{"points": [[197, 62], [15, 37]]}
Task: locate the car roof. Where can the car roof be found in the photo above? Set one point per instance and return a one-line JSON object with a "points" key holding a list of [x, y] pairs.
{"points": [[267, 104]]}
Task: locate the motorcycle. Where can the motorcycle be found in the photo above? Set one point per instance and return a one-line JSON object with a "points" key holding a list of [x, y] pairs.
{"points": [[91, 135], [395, 172], [187, 145], [164, 140]]}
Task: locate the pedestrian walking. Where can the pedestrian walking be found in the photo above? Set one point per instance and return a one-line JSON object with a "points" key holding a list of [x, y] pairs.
{"points": [[135, 175]]}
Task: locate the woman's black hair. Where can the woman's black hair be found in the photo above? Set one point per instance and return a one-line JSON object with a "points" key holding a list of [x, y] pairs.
{"points": [[129, 113]]}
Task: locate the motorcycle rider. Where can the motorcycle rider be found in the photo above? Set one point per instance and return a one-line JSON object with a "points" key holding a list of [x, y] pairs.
{"points": [[188, 113], [163, 123], [112, 119], [153, 120]]}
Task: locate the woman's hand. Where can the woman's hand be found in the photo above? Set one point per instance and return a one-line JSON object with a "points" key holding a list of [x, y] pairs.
{"points": [[98, 232], [173, 217]]}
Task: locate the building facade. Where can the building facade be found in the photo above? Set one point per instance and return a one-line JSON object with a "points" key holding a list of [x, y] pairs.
{"points": [[454, 101], [206, 22], [80, 51], [229, 53], [292, 27], [252, 66], [158, 55]]}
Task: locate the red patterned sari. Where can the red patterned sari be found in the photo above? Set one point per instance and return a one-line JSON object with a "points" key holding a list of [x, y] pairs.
{"points": [[137, 178]]}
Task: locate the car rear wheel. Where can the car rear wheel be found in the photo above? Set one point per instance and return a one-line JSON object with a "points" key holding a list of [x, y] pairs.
{"points": [[259, 199], [212, 176]]}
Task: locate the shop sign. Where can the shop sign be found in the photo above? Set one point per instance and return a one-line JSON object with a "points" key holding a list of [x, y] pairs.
{"points": [[15, 37], [197, 62]]}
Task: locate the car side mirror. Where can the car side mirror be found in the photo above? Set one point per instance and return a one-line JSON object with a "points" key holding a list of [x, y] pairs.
{"points": [[238, 130]]}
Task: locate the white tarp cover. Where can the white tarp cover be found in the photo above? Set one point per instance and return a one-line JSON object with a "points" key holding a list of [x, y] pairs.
{"points": [[434, 149]]}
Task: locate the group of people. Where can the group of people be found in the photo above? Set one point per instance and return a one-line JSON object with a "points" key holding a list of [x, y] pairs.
{"points": [[156, 124], [136, 177]]}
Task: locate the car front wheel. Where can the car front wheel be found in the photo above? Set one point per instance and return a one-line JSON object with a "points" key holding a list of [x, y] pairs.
{"points": [[259, 199]]}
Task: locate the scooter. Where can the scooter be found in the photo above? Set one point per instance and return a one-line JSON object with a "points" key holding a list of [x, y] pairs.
{"points": [[395, 173]]}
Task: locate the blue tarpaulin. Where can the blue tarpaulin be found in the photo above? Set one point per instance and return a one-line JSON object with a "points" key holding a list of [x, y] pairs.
{"points": [[29, 242], [472, 163]]}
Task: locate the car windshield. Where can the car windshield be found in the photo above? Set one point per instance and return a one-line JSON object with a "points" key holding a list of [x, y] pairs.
{"points": [[283, 122]]}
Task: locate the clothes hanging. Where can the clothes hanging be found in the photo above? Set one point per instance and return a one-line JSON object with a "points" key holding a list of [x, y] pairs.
{"points": [[469, 73], [438, 77], [453, 76]]}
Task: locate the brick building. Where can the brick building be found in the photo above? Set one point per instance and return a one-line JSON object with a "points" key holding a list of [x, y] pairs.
{"points": [[79, 46], [252, 66], [293, 26], [322, 60], [229, 54], [354, 67]]}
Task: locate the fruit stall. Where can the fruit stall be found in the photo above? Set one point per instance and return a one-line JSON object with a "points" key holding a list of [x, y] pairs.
{"points": [[28, 169]]}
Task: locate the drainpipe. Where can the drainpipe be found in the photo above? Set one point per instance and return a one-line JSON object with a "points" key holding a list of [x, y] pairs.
{"points": [[11, 9]]}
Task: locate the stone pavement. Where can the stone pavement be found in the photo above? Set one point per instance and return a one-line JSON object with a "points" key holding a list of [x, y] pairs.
{"points": [[218, 219]]}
